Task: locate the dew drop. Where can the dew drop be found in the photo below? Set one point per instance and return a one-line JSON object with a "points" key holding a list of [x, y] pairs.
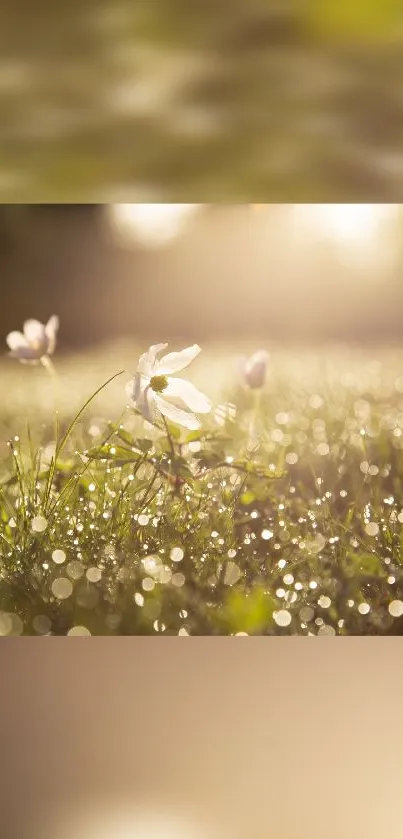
{"points": [[39, 524], [41, 624], [324, 602], [282, 618], [78, 631], [372, 528], [232, 574], [62, 588], [395, 608], [94, 575]]}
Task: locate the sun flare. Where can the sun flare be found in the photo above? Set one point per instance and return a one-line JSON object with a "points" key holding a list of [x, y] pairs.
{"points": [[346, 223], [151, 224], [132, 824]]}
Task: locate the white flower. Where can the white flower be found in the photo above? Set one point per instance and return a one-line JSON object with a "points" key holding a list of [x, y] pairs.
{"points": [[255, 368], [154, 391], [37, 340]]}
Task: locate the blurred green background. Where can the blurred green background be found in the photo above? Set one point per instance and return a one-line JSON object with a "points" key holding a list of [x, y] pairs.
{"points": [[176, 100]]}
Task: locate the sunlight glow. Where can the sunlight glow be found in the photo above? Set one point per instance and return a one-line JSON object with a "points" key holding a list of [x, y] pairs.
{"points": [[151, 224], [350, 224], [130, 824], [363, 237]]}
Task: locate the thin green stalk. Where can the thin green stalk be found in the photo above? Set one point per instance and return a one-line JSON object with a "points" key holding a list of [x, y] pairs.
{"points": [[170, 440], [60, 445]]}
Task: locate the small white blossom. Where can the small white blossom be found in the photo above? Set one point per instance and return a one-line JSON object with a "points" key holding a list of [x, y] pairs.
{"points": [[254, 370], [153, 391], [37, 340]]}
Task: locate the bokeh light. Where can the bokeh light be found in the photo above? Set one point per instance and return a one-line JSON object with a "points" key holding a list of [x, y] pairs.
{"points": [[151, 224], [125, 822], [347, 222]]}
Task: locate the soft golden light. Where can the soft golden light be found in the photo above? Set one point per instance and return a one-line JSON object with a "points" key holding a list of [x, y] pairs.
{"points": [[346, 223], [362, 236], [130, 824], [151, 224]]}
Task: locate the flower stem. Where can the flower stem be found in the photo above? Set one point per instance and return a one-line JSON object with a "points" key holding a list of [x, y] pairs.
{"points": [[255, 420], [50, 367], [171, 442]]}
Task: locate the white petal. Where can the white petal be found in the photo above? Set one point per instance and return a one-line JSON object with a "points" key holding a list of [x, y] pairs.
{"points": [[36, 336], [51, 329], [148, 406], [176, 415], [136, 387], [26, 354], [175, 361], [16, 340], [259, 357], [20, 348], [147, 360], [255, 369], [190, 395], [34, 330], [142, 397], [131, 390]]}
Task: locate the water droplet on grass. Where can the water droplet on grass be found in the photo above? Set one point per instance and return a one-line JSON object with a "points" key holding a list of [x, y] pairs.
{"points": [[39, 524], [41, 624], [78, 631], [282, 618], [177, 554], [62, 588], [372, 528], [395, 608]]}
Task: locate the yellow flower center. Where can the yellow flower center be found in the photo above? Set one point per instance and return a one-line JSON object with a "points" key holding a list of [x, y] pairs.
{"points": [[158, 383]]}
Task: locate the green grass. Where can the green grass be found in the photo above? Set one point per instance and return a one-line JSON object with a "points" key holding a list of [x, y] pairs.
{"points": [[291, 510]]}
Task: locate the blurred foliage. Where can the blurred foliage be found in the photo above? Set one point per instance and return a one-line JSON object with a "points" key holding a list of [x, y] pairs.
{"points": [[365, 21], [181, 101]]}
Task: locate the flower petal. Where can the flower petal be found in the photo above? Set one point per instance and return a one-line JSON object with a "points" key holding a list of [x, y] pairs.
{"points": [[148, 406], [20, 348], [176, 415], [34, 330], [36, 336], [51, 329], [189, 394], [142, 397], [257, 357], [255, 369], [175, 361], [146, 363], [136, 387], [16, 340], [131, 390]]}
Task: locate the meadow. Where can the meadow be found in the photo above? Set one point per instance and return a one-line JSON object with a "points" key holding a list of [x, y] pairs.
{"points": [[281, 515]]}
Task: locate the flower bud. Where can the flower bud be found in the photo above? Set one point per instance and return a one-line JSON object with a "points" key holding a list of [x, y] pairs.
{"points": [[255, 369]]}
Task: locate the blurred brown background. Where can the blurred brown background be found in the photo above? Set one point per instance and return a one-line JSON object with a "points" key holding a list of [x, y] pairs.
{"points": [[286, 740], [231, 272]]}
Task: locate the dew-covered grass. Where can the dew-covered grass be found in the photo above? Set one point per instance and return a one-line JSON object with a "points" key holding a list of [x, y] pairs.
{"points": [[283, 515]]}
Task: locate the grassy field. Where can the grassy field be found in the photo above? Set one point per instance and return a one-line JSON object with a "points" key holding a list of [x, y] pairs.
{"points": [[282, 516]]}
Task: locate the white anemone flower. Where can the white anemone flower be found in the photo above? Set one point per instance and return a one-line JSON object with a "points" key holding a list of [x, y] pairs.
{"points": [[153, 390], [255, 368], [36, 342]]}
